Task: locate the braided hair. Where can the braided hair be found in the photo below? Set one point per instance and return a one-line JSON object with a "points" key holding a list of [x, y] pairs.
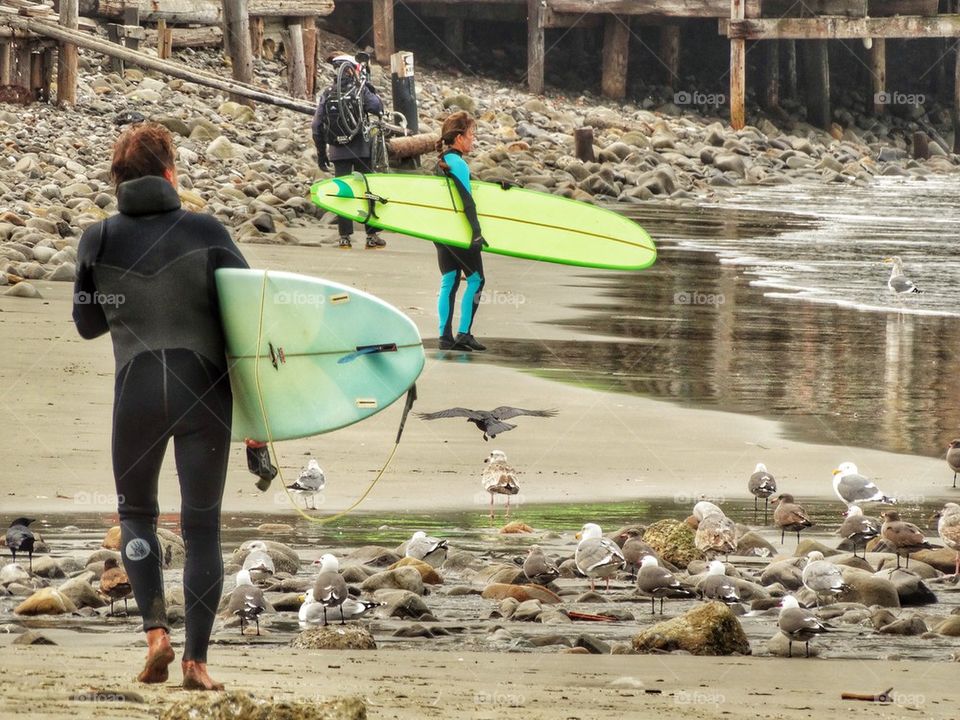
{"points": [[453, 127]]}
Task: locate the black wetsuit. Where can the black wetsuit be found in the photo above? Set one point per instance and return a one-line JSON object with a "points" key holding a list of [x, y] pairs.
{"points": [[146, 275]]}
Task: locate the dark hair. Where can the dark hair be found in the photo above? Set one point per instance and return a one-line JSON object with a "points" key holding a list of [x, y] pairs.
{"points": [[142, 149], [454, 126]]}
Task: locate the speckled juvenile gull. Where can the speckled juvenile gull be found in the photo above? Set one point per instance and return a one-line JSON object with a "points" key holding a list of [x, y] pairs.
{"points": [[538, 568], [858, 528], [788, 515], [330, 589], [822, 578], [114, 583], [798, 624], [704, 508], [902, 536], [499, 478], [898, 282], [948, 527], [658, 582], [717, 586], [852, 487], [761, 485], [596, 556], [431, 550], [310, 482]]}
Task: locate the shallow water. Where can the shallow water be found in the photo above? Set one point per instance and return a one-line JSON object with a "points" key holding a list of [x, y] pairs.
{"points": [[711, 324]]}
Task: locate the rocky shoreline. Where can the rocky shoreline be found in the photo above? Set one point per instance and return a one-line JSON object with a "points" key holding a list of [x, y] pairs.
{"points": [[252, 167]]}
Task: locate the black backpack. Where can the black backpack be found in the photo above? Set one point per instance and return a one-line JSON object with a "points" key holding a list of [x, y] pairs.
{"points": [[342, 114]]}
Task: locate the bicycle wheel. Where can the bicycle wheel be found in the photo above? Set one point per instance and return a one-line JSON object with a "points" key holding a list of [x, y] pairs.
{"points": [[379, 158]]}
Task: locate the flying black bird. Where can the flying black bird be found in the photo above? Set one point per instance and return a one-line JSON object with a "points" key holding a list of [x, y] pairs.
{"points": [[20, 537], [490, 422]]}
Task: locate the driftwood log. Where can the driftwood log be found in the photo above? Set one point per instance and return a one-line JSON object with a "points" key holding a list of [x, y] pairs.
{"points": [[203, 12]]}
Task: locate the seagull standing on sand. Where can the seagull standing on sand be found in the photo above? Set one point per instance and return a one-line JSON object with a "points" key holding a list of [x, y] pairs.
{"points": [[898, 282], [20, 538], [852, 487], [490, 422], [246, 601], [858, 528], [330, 589], [538, 568], [310, 482], [953, 458], [717, 586], [788, 515], [431, 550], [596, 556], [798, 624], [948, 527], [761, 485], [658, 582], [822, 578], [114, 583], [902, 536], [499, 478]]}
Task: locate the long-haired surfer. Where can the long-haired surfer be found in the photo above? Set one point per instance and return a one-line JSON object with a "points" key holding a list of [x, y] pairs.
{"points": [[146, 275], [456, 140]]}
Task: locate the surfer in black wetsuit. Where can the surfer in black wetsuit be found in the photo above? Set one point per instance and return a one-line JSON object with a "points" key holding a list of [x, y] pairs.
{"points": [[456, 140], [146, 275]]}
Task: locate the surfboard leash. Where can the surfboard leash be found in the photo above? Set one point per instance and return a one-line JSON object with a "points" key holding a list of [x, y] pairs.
{"points": [[411, 398]]}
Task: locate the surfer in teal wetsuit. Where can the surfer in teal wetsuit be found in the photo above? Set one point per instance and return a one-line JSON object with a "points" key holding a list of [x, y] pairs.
{"points": [[456, 140]]}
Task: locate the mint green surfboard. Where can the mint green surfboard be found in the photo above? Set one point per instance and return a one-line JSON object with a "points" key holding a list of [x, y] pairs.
{"points": [[516, 222], [330, 355]]}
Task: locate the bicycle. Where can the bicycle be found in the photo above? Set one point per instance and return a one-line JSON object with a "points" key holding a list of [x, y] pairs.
{"points": [[380, 131]]}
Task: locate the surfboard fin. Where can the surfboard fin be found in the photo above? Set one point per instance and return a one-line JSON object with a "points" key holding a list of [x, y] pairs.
{"points": [[367, 350], [411, 399]]}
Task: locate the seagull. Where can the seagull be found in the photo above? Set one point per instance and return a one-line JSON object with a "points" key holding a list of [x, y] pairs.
{"points": [[898, 282], [821, 577], [596, 555], [330, 589], [310, 482], [901, 535], [491, 422], [431, 550], [634, 549], [789, 516], [258, 561], [798, 624], [717, 586], [658, 582], [499, 479], [246, 601], [852, 487], [761, 485], [311, 611], [953, 458], [716, 533], [114, 583], [20, 538], [538, 568], [858, 528], [948, 527]]}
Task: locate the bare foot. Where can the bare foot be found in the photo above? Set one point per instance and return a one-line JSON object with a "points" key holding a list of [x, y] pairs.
{"points": [[159, 655], [195, 677]]}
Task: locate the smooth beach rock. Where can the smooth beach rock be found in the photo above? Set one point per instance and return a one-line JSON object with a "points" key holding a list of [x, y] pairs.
{"points": [[13, 573], [241, 705], [502, 573], [905, 626], [79, 590], [949, 627], [400, 604], [783, 572], [48, 601], [710, 629], [527, 611], [854, 562], [522, 593], [24, 290], [403, 578], [807, 546], [594, 645], [374, 555], [172, 550], [943, 559], [111, 541], [752, 544], [285, 558], [32, 637], [428, 573], [47, 567], [335, 637], [869, 589], [910, 587], [506, 608], [673, 541], [918, 568], [515, 528]]}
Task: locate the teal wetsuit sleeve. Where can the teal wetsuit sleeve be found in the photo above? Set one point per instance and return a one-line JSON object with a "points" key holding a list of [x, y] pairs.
{"points": [[460, 174]]}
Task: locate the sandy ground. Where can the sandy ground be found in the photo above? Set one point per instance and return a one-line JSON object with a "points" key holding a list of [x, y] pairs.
{"points": [[603, 446]]}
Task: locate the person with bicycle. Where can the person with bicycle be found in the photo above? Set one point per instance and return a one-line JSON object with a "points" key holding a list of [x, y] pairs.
{"points": [[456, 140], [341, 133]]}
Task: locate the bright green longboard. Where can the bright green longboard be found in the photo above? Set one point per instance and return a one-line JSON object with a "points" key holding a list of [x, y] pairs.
{"points": [[329, 355], [517, 222]]}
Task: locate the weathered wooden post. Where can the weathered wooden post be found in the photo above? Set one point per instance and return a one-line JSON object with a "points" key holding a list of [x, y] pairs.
{"points": [[771, 75], [453, 35], [956, 101], [535, 51], [583, 144], [670, 53], [67, 55], [46, 74], [131, 18], [21, 75], [616, 47], [236, 38], [115, 35], [738, 70], [164, 40], [310, 55], [256, 36], [4, 63], [816, 75], [383, 38], [293, 43], [404, 89], [878, 73], [790, 80]]}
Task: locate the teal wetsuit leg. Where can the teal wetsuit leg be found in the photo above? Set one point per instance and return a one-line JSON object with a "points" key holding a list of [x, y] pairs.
{"points": [[470, 302], [449, 282]]}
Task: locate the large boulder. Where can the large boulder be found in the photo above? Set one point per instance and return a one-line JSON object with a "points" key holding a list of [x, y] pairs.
{"points": [[943, 559], [752, 543], [402, 578], [673, 541], [787, 573], [375, 555], [48, 601], [910, 587], [427, 572], [401, 604], [240, 705], [710, 629], [335, 637], [81, 592], [868, 589], [502, 573]]}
